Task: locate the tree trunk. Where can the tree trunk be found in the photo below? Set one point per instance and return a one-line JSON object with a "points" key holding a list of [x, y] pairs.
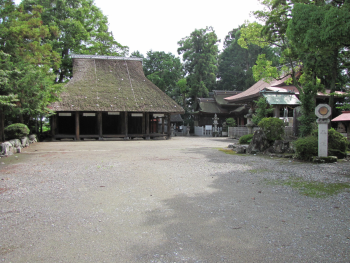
{"points": [[334, 78]]}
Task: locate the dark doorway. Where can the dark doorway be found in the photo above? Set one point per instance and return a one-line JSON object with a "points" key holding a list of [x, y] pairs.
{"points": [[66, 123], [135, 123], [88, 123], [111, 123]]}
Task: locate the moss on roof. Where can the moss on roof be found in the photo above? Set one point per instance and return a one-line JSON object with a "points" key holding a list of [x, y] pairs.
{"points": [[113, 85]]}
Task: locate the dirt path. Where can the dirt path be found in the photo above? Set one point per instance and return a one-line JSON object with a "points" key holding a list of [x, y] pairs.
{"points": [[180, 200]]}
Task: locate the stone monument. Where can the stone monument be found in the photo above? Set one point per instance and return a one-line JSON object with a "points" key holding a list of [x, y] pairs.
{"points": [[215, 122], [323, 112], [250, 123]]}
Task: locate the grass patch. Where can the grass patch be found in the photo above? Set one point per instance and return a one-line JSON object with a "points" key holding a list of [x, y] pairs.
{"points": [[312, 188], [228, 151]]}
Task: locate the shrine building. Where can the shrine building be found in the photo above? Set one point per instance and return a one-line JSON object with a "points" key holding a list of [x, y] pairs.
{"points": [[110, 97]]}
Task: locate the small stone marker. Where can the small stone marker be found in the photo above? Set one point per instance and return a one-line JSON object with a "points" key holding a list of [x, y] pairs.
{"points": [[323, 111]]}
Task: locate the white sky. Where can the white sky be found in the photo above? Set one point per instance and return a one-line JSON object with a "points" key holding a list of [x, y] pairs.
{"points": [[158, 24]]}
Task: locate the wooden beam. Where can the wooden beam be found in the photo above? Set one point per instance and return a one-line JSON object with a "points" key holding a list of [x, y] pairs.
{"points": [[77, 127], [162, 125], [169, 126], [147, 125], [99, 124], [126, 137], [143, 122]]}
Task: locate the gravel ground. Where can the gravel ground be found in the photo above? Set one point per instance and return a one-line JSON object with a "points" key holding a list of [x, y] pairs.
{"points": [[178, 200]]}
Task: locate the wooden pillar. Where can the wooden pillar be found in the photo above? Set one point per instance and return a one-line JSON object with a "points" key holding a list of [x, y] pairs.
{"points": [[169, 126], [277, 111], [143, 123], [53, 125], [99, 124], [77, 127], [147, 125], [126, 137], [162, 125]]}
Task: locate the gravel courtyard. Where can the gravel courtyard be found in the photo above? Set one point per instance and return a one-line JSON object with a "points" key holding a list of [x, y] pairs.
{"points": [[178, 200]]}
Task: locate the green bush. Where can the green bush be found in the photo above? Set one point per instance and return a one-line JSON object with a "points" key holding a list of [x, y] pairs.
{"points": [[306, 147], [231, 122], [273, 128], [16, 131], [246, 139], [337, 144]]}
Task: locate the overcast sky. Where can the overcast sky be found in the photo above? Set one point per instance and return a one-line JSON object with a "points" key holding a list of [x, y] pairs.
{"points": [[159, 24]]}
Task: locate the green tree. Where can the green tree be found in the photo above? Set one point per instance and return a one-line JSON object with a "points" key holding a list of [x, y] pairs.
{"points": [[83, 29], [319, 31], [163, 69], [277, 18], [200, 54], [262, 110], [26, 63], [235, 63]]}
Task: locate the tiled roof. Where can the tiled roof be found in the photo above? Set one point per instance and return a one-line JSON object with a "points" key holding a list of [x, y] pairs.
{"points": [[220, 96], [112, 84], [208, 105], [254, 91], [345, 116]]}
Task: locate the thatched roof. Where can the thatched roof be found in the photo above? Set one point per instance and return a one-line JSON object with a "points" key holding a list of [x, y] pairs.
{"points": [[103, 83]]}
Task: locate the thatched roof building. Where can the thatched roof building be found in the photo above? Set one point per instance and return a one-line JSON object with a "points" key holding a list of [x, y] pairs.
{"points": [[116, 92]]}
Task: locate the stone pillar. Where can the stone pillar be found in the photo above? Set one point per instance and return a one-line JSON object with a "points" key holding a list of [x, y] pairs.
{"points": [[188, 130], [215, 122], [323, 112], [172, 130], [322, 137], [249, 124]]}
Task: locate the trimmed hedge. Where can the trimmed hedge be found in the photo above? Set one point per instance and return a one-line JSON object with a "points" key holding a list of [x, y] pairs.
{"points": [[16, 131], [306, 147], [246, 139]]}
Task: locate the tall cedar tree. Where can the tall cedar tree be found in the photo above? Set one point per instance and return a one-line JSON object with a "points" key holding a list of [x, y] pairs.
{"points": [[235, 63], [200, 55], [26, 63]]}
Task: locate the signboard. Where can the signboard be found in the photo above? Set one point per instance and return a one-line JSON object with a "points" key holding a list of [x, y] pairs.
{"points": [[89, 114], [65, 114], [208, 127], [113, 113], [136, 114], [158, 115]]}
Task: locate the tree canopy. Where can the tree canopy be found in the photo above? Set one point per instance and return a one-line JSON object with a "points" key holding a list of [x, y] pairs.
{"points": [[200, 55], [82, 29], [235, 62]]}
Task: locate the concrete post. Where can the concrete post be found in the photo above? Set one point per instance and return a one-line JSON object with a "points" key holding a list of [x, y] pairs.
{"points": [[322, 137], [323, 112]]}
